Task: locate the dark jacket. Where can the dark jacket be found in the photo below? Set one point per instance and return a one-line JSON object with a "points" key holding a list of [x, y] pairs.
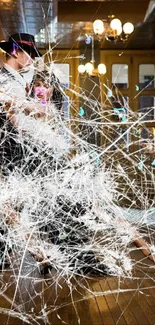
{"points": [[11, 151]]}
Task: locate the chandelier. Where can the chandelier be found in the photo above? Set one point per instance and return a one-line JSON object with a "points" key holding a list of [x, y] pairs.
{"points": [[89, 67], [113, 29]]}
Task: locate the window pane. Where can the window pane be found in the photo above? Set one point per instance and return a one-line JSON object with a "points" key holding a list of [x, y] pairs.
{"points": [[120, 75], [147, 76], [146, 107], [62, 71]]}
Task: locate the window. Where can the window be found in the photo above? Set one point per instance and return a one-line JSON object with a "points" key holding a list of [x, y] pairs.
{"points": [[62, 71], [147, 76], [120, 75], [147, 107]]}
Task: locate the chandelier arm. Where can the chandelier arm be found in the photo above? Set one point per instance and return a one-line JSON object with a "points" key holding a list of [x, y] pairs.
{"points": [[92, 50]]}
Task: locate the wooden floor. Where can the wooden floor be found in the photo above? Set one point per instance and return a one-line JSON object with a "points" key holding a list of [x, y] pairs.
{"points": [[96, 301]]}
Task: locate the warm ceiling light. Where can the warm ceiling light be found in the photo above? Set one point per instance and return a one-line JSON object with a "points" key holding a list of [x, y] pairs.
{"points": [[90, 70], [102, 68], [81, 68], [112, 29], [89, 67], [98, 26], [115, 24], [128, 28]]}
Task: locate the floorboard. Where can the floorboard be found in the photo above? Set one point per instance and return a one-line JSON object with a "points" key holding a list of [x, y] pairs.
{"points": [[96, 301]]}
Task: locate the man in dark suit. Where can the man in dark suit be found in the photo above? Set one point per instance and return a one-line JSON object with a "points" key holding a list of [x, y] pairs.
{"points": [[20, 51]]}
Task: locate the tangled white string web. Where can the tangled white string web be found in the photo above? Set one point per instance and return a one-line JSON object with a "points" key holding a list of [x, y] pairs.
{"points": [[67, 203]]}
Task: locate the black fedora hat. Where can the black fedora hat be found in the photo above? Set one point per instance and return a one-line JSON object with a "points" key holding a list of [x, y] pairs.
{"points": [[22, 41]]}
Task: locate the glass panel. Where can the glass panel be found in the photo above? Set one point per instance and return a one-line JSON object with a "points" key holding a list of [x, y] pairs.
{"points": [[147, 76], [62, 72], [120, 75], [147, 107]]}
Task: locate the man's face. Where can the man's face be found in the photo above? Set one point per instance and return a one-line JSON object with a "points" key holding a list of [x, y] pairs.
{"points": [[24, 60]]}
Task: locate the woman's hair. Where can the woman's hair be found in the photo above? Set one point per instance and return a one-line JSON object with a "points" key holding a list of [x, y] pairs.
{"points": [[49, 79]]}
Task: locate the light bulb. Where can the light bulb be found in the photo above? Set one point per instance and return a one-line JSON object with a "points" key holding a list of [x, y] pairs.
{"points": [[128, 28], [89, 67], [119, 31], [88, 39], [81, 68], [102, 68], [98, 26], [115, 24]]}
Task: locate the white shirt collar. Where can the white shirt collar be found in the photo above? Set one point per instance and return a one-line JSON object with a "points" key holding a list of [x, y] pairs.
{"points": [[16, 74]]}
